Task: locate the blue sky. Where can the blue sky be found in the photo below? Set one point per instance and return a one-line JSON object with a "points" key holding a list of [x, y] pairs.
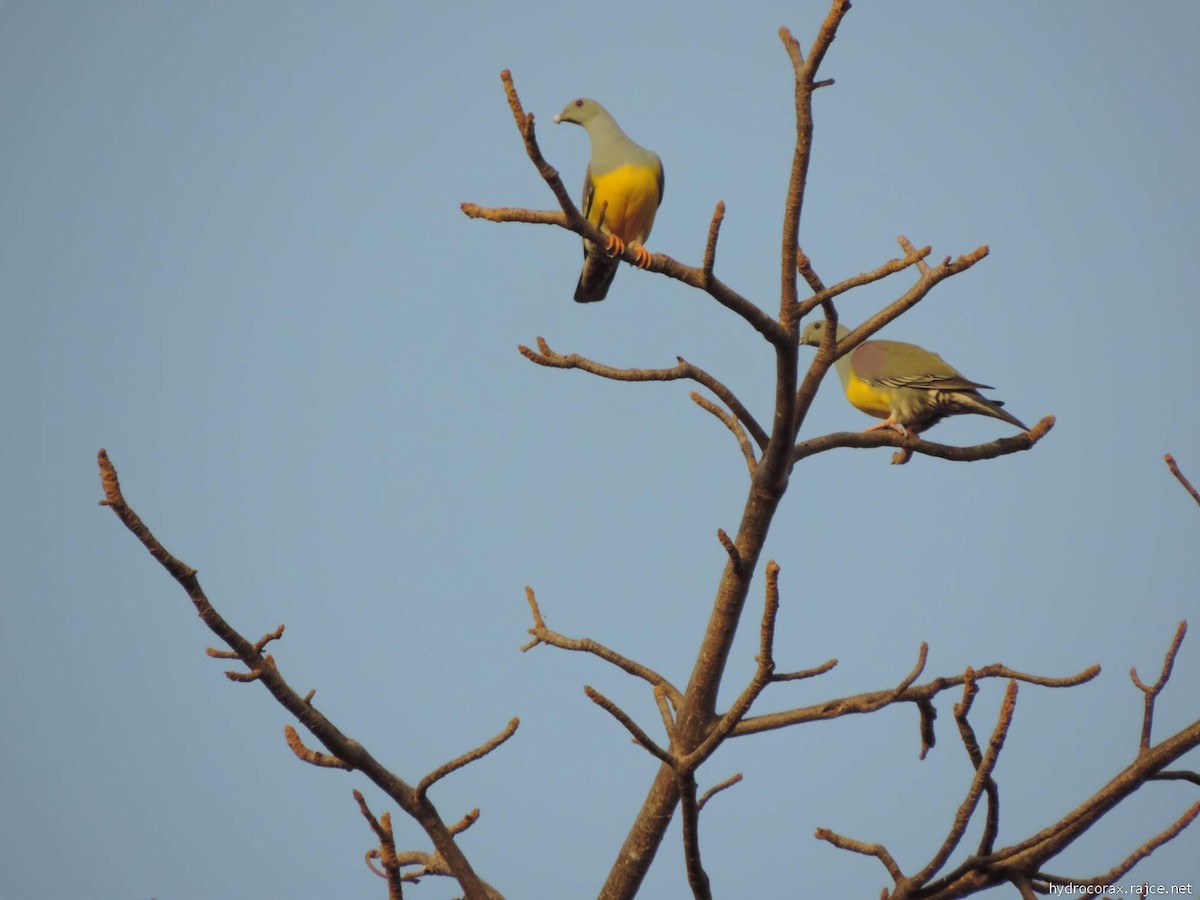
{"points": [[232, 254]]}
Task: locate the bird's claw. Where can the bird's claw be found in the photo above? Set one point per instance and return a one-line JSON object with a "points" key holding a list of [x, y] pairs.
{"points": [[615, 246], [891, 423], [644, 256]]}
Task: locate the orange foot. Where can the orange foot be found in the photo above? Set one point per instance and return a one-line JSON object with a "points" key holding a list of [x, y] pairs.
{"points": [[616, 246], [890, 422], [644, 256]]}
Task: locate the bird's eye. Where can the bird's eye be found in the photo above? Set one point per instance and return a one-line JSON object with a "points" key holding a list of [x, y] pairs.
{"points": [[579, 103]]}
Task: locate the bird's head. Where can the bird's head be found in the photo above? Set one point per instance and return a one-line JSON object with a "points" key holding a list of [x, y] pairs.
{"points": [[814, 331], [580, 111]]}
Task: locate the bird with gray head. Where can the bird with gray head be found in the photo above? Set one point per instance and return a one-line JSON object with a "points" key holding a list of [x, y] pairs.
{"points": [[907, 386], [624, 184]]}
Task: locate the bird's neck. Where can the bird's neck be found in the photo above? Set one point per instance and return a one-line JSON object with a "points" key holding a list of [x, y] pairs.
{"points": [[842, 364], [605, 129]]}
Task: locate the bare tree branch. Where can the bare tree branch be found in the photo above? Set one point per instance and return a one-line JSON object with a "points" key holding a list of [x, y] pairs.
{"points": [[690, 816], [735, 558], [1193, 777], [729, 421], [1030, 856], [1122, 869], [1151, 692], [349, 751], [710, 248], [805, 75], [873, 700], [543, 635], [717, 788], [967, 733], [664, 710], [983, 775], [1187, 485], [469, 757], [386, 854], [762, 677], [544, 356], [631, 726], [823, 294], [877, 850], [910, 443], [314, 757], [805, 673]]}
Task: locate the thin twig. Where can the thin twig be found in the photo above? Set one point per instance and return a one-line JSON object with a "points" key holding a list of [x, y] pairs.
{"points": [[1151, 692], [717, 788], [892, 266], [869, 702], [805, 71], [735, 558], [543, 635], [710, 248], [930, 277], [805, 673], [664, 710], [967, 733], [467, 758], [1119, 871], [762, 677], [1024, 887], [729, 420], [386, 854], [983, 774], [877, 850], [544, 356], [1177, 775], [631, 726], [907, 247], [314, 757], [1171, 464]]}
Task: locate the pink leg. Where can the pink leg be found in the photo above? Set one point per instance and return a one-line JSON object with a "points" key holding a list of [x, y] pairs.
{"points": [[890, 422]]}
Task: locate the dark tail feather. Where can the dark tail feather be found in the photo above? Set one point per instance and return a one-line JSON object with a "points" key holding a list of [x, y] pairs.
{"points": [[599, 269], [982, 404]]}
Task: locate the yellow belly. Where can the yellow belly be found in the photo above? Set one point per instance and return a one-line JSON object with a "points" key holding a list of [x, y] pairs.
{"points": [[870, 400], [631, 193]]}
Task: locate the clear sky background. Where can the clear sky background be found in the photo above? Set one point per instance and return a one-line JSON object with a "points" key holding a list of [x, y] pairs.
{"points": [[231, 253]]}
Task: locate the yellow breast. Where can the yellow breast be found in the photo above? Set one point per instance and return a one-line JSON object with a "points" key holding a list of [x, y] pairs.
{"points": [[631, 193], [871, 400]]}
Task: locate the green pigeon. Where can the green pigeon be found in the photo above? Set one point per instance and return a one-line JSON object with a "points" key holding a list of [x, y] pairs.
{"points": [[623, 179], [907, 386]]}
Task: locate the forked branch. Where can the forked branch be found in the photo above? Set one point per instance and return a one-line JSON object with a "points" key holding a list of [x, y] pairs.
{"points": [[543, 635], [1022, 864], [913, 693], [347, 752], [544, 356], [1152, 691]]}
